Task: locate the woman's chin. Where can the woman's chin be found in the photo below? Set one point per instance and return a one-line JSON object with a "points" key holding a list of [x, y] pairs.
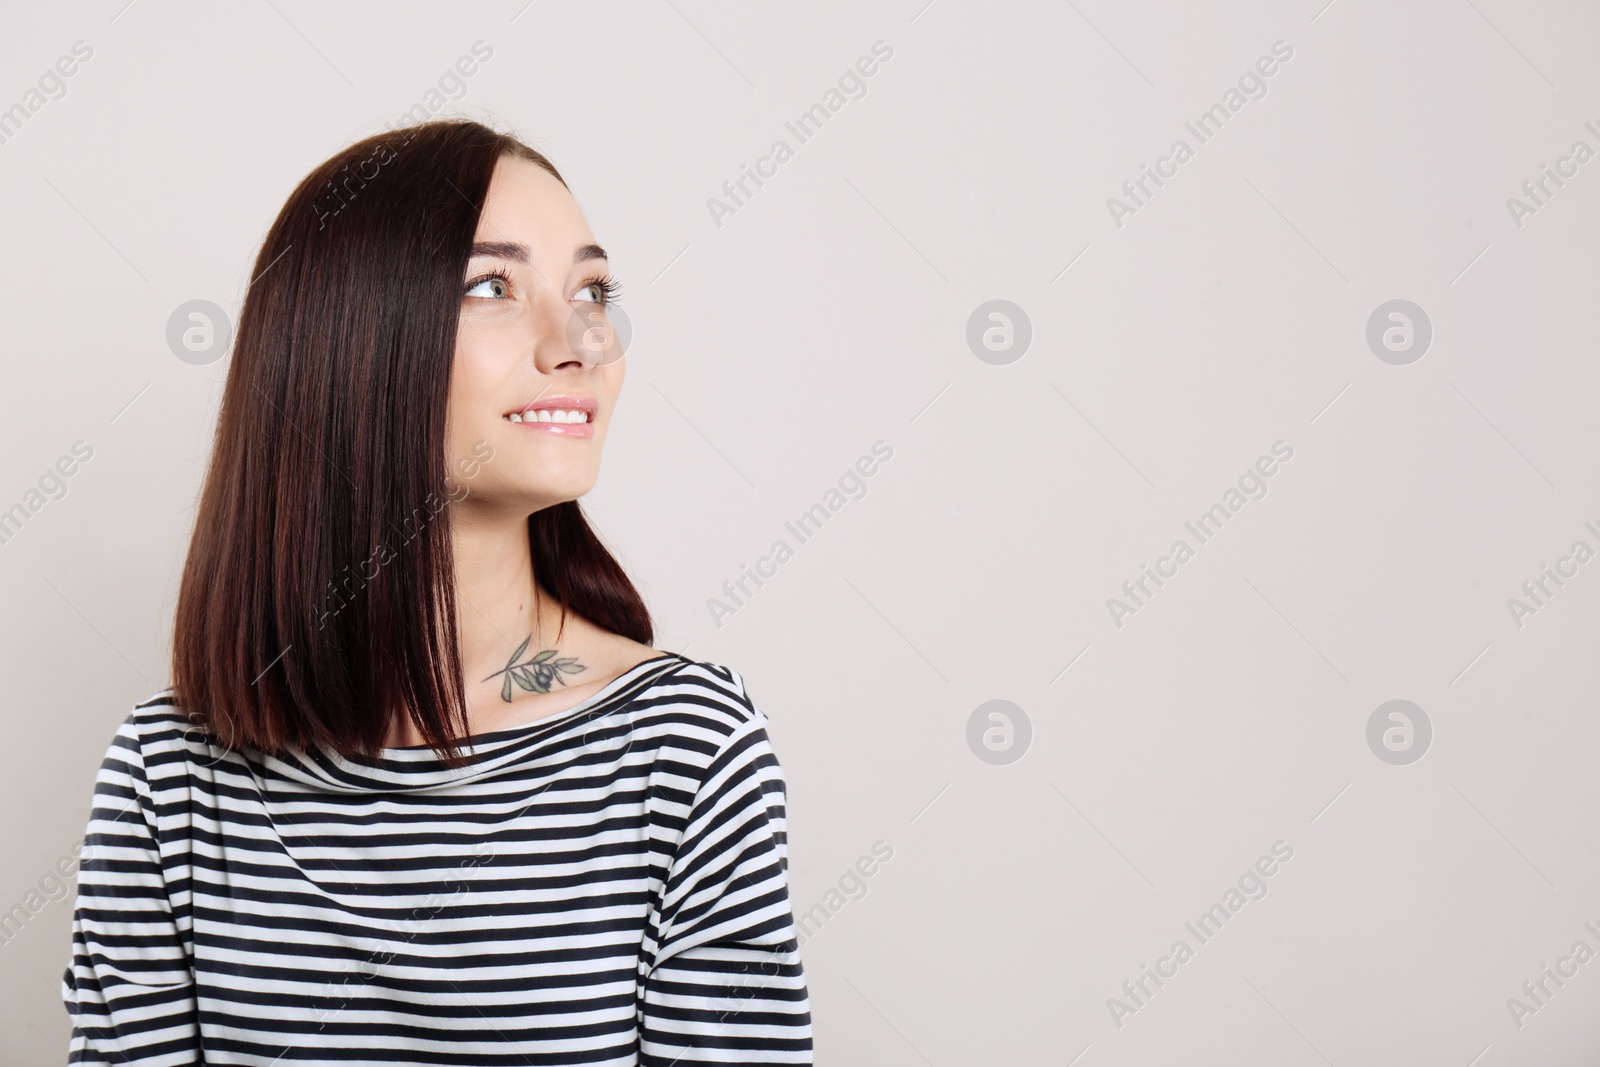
{"points": [[549, 493]]}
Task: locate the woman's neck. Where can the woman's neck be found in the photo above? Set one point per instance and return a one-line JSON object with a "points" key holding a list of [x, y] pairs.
{"points": [[520, 660], [509, 630], [499, 604]]}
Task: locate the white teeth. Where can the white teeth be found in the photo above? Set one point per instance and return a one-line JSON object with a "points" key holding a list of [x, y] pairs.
{"points": [[550, 415]]}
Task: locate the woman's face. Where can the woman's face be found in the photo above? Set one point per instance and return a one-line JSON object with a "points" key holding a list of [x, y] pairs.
{"points": [[533, 338]]}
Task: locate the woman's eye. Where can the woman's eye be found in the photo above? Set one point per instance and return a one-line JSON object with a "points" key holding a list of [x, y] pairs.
{"points": [[602, 291], [492, 288]]}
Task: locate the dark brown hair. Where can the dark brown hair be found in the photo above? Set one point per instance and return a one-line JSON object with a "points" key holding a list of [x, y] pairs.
{"points": [[318, 598]]}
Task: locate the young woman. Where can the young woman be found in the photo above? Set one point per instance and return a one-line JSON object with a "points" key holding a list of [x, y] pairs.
{"points": [[422, 792]]}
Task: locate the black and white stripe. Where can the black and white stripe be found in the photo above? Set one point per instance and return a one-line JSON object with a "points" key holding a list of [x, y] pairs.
{"points": [[605, 886]]}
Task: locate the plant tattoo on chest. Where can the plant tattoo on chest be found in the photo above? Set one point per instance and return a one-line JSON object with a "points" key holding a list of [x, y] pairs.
{"points": [[538, 674]]}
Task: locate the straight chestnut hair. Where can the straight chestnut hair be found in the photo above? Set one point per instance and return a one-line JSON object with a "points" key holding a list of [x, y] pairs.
{"points": [[318, 597]]}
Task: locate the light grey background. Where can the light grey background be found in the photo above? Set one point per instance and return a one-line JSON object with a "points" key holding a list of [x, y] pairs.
{"points": [[831, 311]]}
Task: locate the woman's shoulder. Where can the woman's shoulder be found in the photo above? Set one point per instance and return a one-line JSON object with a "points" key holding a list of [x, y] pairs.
{"points": [[702, 720], [153, 719], [143, 746], [701, 706], [164, 736], [718, 689]]}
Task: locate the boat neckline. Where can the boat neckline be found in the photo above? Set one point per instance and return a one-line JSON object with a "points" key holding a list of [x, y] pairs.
{"points": [[600, 696]]}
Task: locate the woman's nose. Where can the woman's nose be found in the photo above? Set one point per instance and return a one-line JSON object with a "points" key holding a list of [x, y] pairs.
{"points": [[558, 338]]}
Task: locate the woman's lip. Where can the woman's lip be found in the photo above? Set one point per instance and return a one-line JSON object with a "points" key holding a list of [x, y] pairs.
{"points": [[563, 402], [560, 429]]}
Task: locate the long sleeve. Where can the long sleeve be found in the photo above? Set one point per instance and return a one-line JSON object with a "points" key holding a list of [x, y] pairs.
{"points": [[130, 986], [724, 984]]}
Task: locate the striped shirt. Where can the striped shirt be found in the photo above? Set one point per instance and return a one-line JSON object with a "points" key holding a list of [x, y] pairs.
{"points": [[608, 885]]}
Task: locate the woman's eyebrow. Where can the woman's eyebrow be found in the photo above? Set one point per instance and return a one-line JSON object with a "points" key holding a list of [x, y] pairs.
{"points": [[519, 252], [501, 250]]}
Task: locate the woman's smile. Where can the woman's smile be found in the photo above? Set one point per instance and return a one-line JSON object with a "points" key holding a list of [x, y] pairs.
{"points": [[564, 416]]}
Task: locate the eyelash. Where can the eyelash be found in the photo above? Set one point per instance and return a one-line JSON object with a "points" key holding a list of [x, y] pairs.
{"points": [[610, 288]]}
